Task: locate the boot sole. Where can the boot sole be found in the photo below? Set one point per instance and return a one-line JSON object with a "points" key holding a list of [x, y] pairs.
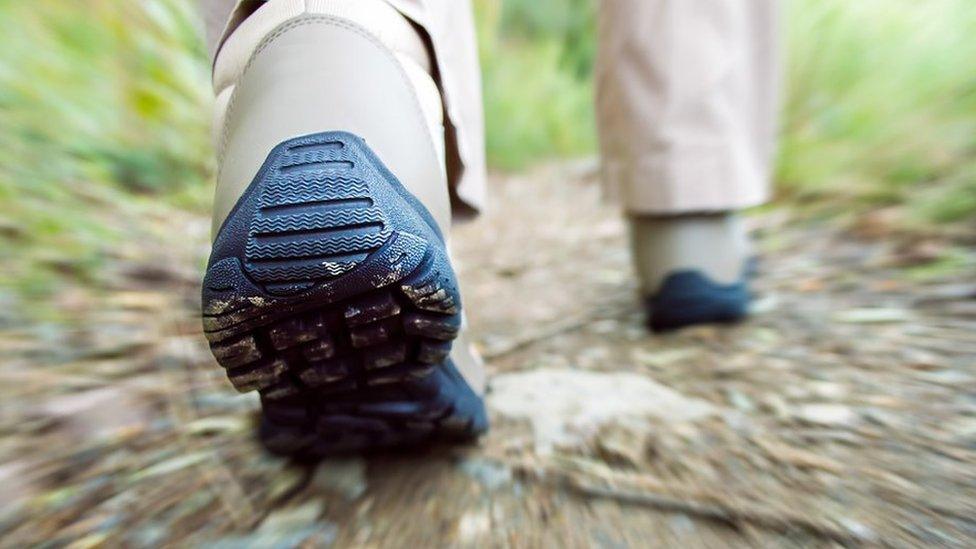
{"points": [[329, 291]]}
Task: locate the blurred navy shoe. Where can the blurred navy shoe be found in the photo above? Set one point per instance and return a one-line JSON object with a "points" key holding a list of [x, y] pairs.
{"points": [[687, 298]]}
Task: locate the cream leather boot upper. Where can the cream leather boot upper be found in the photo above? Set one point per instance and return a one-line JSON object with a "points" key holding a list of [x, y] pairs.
{"points": [[296, 67]]}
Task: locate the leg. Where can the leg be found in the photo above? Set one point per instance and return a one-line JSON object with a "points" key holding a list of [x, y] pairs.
{"points": [[329, 289], [686, 102]]}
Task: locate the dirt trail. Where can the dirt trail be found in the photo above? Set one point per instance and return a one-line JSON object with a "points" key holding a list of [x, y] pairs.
{"points": [[845, 412]]}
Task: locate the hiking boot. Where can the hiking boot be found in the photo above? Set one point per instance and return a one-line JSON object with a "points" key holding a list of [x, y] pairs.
{"points": [[329, 289]]}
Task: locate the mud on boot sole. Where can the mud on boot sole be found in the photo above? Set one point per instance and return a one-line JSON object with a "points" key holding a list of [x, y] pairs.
{"points": [[329, 291]]}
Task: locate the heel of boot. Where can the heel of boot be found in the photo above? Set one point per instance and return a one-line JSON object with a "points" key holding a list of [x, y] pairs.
{"points": [[329, 292]]}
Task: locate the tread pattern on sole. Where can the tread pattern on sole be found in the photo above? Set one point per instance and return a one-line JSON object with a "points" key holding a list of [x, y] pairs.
{"points": [[315, 218], [330, 294]]}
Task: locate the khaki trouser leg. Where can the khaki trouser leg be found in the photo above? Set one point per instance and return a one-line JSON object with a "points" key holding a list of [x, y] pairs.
{"points": [[686, 103], [450, 26]]}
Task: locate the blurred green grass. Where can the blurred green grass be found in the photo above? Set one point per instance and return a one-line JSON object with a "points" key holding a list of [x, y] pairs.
{"points": [[536, 58], [881, 105], [104, 113], [103, 116]]}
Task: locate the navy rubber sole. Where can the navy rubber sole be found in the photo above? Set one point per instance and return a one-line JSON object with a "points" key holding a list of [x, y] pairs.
{"points": [[329, 291]]}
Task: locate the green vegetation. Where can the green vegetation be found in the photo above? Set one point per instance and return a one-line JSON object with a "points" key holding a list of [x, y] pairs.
{"points": [[104, 113], [537, 56], [881, 105], [103, 110]]}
